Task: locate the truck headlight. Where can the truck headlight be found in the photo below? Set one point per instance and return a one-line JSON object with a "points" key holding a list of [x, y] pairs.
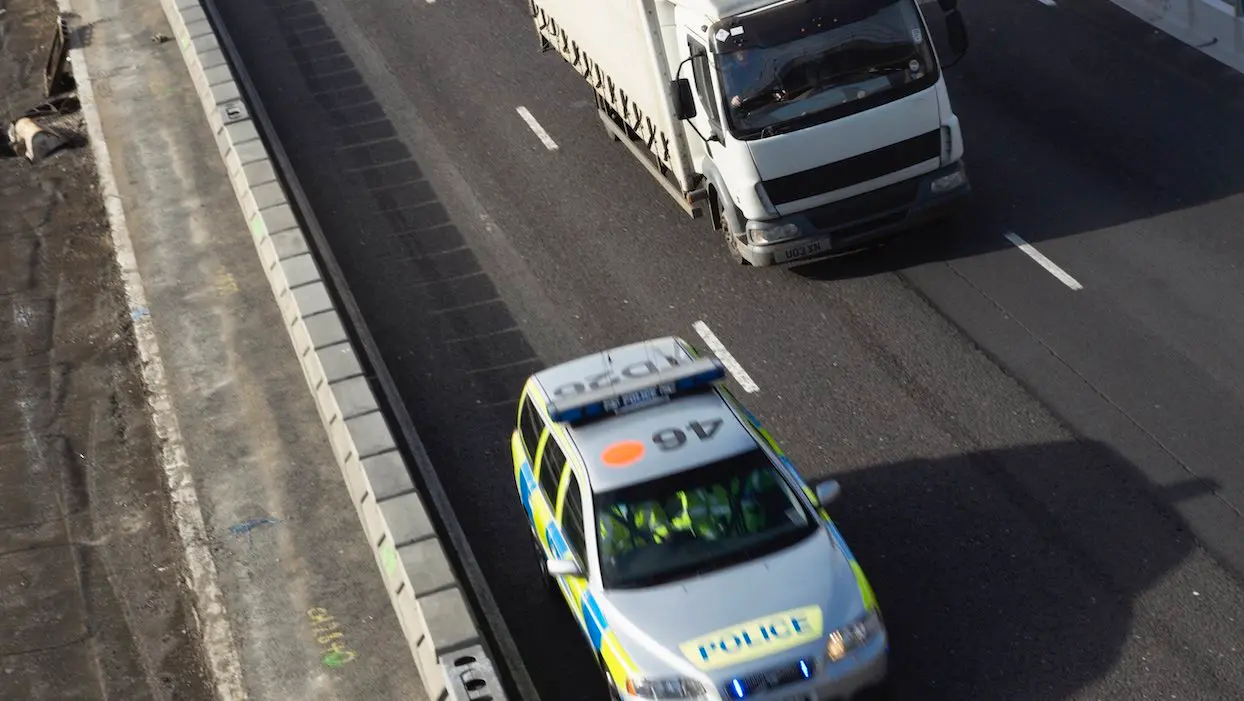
{"points": [[853, 635], [946, 183], [672, 688], [762, 233]]}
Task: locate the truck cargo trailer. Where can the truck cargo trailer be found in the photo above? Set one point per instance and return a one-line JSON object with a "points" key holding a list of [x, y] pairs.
{"points": [[801, 127]]}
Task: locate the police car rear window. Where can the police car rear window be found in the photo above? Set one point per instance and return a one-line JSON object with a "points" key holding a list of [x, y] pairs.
{"points": [[697, 521]]}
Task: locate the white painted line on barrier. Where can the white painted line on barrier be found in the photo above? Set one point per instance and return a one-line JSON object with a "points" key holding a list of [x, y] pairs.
{"points": [[210, 611], [539, 130], [1047, 3], [1044, 262], [714, 344]]}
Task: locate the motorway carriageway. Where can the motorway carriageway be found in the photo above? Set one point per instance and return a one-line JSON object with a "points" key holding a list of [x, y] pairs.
{"points": [[1035, 413]]}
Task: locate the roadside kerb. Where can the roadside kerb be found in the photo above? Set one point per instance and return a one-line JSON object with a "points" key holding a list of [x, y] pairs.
{"points": [[432, 606]]}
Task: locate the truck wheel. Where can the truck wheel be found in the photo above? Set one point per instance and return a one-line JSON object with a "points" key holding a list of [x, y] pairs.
{"points": [[604, 108], [732, 243]]}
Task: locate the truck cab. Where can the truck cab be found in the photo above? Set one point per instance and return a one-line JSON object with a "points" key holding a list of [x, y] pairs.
{"points": [[802, 127], [818, 125]]}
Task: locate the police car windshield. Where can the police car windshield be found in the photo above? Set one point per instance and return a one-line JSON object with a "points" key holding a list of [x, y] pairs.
{"points": [[697, 521]]}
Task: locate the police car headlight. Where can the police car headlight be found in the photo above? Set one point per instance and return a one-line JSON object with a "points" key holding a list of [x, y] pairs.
{"points": [[675, 688], [852, 636]]}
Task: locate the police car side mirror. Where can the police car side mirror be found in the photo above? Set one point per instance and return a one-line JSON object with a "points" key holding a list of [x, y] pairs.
{"points": [[564, 568], [828, 491]]}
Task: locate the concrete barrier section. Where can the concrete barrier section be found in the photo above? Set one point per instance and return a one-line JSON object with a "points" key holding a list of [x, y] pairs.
{"points": [[444, 638]]}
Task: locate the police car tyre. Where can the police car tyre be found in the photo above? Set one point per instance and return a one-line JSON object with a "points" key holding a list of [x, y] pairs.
{"points": [[542, 564], [614, 694]]}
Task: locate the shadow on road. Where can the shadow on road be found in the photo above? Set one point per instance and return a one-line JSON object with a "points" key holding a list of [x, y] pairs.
{"points": [[1012, 573], [1074, 120]]}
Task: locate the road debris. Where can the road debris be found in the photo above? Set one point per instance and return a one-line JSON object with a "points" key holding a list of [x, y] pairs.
{"points": [[39, 143]]}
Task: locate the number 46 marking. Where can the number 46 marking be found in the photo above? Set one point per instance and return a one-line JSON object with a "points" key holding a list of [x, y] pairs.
{"points": [[674, 438]]}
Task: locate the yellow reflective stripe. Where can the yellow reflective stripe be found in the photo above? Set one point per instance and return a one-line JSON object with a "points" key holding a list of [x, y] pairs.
{"points": [[866, 589], [541, 511], [769, 439], [617, 660], [576, 585], [516, 452], [526, 393]]}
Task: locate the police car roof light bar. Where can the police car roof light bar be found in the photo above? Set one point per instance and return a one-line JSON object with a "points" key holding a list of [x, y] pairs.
{"points": [[639, 392]]}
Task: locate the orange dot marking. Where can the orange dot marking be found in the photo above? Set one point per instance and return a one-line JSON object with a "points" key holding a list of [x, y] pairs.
{"points": [[622, 453]]}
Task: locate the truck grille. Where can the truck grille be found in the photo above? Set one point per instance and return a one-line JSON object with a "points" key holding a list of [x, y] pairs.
{"points": [[854, 170], [771, 678], [880, 201]]}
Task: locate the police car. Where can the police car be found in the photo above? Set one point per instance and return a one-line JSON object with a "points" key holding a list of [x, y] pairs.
{"points": [[697, 562]]}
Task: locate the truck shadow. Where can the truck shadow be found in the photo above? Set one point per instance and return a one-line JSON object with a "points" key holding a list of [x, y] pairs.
{"points": [[1051, 545], [1118, 124]]}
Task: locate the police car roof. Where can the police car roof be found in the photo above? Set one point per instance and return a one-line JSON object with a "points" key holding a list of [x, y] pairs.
{"points": [[620, 451], [623, 361]]}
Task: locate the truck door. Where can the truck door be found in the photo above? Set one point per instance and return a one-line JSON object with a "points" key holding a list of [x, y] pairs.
{"points": [[708, 111]]}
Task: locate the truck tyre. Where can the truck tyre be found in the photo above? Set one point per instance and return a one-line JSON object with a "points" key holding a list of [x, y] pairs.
{"points": [[732, 243], [607, 110]]}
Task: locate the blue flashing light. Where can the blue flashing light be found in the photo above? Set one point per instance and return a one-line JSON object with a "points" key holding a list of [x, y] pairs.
{"points": [[803, 667], [637, 393], [738, 688]]}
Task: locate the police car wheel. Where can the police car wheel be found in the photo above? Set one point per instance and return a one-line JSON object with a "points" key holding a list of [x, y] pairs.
{"points": [[543, 564], [614, 695]]}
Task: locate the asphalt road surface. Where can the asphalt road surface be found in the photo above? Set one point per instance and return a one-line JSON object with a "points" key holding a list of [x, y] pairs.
{"points": [[1039, 471]]}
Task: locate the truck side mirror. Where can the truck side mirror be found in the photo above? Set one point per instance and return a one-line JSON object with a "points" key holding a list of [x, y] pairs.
{"points": [[683, 99], [956, 32], [948, 6]]}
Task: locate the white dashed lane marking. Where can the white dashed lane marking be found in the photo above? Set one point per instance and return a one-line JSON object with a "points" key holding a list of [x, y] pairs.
{"points": [[539, 130], [1044, 262], [719, 349]]}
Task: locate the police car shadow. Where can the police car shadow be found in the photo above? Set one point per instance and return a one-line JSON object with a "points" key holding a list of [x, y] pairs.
{"points": [[1009, 574]]}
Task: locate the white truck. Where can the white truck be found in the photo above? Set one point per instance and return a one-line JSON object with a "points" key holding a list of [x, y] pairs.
{"points": [[806, 127]]}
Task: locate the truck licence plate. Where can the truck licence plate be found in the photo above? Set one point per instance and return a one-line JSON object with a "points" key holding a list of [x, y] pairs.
{"points": [[802, 250]]}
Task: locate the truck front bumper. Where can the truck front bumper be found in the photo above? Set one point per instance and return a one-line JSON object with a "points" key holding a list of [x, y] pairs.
{"points": [[858, 221]]}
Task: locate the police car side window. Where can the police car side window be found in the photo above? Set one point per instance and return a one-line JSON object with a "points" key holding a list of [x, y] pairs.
{"points": [[529, 426], [551, 464], [572, 518]]}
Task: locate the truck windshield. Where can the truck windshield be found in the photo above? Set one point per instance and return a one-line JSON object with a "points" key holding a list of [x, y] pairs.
{"points": [[810, 61], [696, 521]]}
